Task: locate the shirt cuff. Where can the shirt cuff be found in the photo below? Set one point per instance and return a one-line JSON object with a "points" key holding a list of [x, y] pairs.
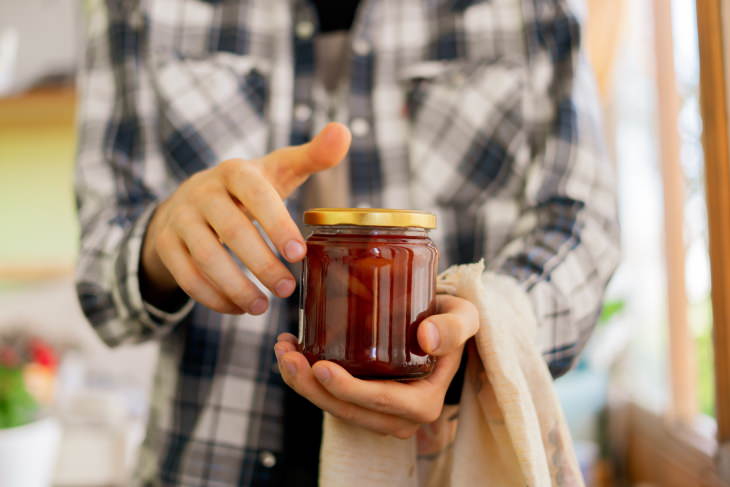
{"points": [[127, 278], [169, 316]]}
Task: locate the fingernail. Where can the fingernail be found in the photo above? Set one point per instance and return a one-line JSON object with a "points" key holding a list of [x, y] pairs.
{"points": [[258, 306], [291, 368], [322, 373], [432, 336], [284, 287], [294, 250]]}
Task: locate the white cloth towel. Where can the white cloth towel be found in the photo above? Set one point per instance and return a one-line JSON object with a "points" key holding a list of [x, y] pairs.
{"points": [[508, 430]]}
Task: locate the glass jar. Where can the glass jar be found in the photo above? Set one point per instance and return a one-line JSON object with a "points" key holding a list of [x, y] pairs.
{"points": [[368, 280]]}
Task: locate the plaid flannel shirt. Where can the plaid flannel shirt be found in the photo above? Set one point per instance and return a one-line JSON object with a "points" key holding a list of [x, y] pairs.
{"points": [[482, 111]]}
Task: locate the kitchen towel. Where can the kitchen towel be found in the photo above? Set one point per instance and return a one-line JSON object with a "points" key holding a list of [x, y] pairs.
{"points": [[508, 429]]}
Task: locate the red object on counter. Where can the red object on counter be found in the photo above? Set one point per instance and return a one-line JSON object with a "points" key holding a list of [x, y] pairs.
{"points": [[42, 354]]}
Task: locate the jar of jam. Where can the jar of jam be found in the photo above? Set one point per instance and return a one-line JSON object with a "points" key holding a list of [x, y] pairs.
{"points": [[368, 280]]}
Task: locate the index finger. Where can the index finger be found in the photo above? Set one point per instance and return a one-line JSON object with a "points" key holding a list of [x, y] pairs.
{"points": [[261, 200], [418, 401]]}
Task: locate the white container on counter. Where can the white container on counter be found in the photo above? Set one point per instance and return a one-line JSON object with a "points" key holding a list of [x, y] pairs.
{"points": [[28, 453]]}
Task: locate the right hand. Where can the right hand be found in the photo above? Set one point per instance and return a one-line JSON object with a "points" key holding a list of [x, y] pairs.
{"points": [[183, 244]]}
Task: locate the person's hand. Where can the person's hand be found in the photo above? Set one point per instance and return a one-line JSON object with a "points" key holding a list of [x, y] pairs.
{"points": [[387, 407], [184, 241]]}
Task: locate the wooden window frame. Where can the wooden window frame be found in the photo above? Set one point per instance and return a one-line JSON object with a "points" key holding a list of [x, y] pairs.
{"points": [[714, 106], [669, 451], [682, 363]]}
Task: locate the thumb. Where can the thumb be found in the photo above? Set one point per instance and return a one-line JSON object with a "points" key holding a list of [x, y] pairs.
{"points": [[457, 321], [289, 167]]}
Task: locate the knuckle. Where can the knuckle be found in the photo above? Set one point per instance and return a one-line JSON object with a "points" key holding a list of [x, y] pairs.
{"points": [[382, 400], [283, 227], [248, 171], [183, 215], [230, 232], [241, 294], [205, 190], [204, 254], [279, 154], [257, 192], [429, 415], [405, 432], [192, 181], [270, 269], [197, 186], [347, 413], [161, 241], [202, 180], [230, 166]]}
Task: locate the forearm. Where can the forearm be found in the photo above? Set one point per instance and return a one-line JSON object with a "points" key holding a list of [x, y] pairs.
{"points": [[108, 283], [114, 173], [156, 283], [564, 276], [567, 246]]}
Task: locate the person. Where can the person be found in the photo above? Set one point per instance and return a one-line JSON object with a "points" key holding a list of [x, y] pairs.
{"points": [[207, 126]]}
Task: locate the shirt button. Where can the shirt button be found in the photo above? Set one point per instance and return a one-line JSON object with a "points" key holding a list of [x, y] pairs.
{"points": [[360, 127], [267, 459], [302, 112], [304, 29], [361, 47]]}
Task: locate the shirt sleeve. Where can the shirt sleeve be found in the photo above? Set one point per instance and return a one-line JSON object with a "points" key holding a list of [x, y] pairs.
{"points": [[565, 244], [120, 177]]}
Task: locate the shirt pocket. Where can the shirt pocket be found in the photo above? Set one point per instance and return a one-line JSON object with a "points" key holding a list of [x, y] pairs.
{"points": [[211, 107], [466, 134]]}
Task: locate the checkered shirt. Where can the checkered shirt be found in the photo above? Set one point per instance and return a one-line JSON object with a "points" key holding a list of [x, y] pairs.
{"points": [[481, 111]]}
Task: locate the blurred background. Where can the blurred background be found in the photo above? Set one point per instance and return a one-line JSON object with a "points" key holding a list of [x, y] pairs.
{"points": [[641, 404]]}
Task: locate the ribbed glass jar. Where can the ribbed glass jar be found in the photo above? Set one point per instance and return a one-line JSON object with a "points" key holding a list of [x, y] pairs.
{"points": [[365, 289]]}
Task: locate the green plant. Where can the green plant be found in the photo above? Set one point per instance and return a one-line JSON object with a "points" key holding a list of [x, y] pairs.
{"points": [[700, 316], [611, 309], [17, 406], [706, 384], [27, 374]]}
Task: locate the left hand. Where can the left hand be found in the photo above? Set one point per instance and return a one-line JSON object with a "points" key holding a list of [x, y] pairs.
{"points": [[384, 406]]}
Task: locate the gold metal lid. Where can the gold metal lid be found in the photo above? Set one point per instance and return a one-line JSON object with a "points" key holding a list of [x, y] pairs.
{"points": [[369, 217]]}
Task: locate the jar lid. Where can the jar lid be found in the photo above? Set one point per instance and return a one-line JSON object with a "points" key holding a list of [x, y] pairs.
{"points": [[369, 217]]}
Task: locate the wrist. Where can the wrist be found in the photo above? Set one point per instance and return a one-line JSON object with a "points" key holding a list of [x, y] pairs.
{"points": [[157, 285]]}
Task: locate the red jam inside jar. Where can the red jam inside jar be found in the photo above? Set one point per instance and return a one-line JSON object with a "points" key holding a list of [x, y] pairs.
{"points": [[368, 280]]}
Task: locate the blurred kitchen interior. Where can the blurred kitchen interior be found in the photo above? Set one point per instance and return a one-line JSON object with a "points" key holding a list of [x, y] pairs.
{"points": [[643, 404]]}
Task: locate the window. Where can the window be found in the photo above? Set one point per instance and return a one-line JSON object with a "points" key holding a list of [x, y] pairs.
{"points": [[670, 436]]}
